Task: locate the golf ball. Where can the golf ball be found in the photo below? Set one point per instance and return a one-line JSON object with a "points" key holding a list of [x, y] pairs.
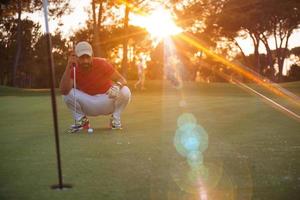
{"points": [[90, 130]]}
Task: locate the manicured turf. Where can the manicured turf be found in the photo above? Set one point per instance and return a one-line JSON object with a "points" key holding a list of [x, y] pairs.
{"points": [[253, 150]]}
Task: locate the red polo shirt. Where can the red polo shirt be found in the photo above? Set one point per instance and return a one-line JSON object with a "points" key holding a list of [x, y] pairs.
{"points": [[97, 80]]}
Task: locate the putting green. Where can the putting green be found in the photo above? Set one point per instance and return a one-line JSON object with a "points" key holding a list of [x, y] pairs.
{"points": [[252, 152]]}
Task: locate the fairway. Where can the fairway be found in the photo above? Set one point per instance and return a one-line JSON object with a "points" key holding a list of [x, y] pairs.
{"points": [[253, 149]]}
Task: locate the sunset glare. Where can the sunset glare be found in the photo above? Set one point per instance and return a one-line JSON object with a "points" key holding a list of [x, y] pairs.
{"points": [[160, 23]]}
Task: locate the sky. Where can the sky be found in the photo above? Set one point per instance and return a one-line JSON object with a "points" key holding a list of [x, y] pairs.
{"points": [[72, 22], [294, 41], [77, 18]]}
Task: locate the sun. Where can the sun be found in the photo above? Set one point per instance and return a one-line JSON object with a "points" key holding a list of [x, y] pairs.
{"points": [[160, 23]]}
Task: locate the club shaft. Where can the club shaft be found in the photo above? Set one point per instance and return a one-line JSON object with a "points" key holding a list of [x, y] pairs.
{"points": [[74, 93]]}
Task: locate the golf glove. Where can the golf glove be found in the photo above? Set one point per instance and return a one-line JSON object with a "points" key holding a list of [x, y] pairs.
{"points": [[114, 90]]}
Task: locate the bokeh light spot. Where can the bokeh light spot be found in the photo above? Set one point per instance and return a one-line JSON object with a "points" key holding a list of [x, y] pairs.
{"points": [[195, 180], [183, 103], [195, 159], [186, 118]]}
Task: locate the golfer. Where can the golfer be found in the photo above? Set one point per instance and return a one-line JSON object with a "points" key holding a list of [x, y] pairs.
{"points": [[91, 87], [141, 74]]}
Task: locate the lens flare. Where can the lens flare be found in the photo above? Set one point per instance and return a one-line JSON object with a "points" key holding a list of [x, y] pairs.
{"points": [[190, 141], [182, 103], [202, 179], [249, 75], [195, 159], [190, 137], [209, 177], [173, 67], [186, 118]]}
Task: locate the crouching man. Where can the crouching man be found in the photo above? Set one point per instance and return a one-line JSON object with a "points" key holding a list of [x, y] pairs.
{"points": [[92, 87]]}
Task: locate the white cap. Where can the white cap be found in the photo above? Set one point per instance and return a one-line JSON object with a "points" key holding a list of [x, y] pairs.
{"points": [[83, 48]]}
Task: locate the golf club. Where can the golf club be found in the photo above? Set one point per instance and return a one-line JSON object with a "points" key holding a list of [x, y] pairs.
{"points": [[74, 90]]}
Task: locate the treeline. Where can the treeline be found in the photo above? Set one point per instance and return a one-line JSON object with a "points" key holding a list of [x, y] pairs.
{"points": [[23, 56], [220, 23]]}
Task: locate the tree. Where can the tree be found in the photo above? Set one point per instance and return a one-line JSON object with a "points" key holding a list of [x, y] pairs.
{"points": [[230, 23], [260, 20], [100, 11], [283, 18], [57, 9], [39, 69], [129, 6], [296, 51], [8, 42]]}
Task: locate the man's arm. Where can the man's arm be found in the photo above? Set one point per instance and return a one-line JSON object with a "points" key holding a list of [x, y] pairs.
{"points": [[120, 81], [118, 78], [66, 83]]}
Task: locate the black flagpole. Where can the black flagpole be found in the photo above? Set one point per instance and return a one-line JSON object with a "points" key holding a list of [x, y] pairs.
{"points": [[53, 99]]}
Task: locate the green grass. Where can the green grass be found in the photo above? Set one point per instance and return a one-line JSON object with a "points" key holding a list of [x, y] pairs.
{"points": [[253, 150]]}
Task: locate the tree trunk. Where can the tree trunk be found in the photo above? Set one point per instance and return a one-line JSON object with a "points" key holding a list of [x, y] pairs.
{"points": [[1, 76], [258, 63], [283, 53], [255, 39], [99, 26], [125, 42], [279, 52], [96, 42], [100, 13], [268, 50], [18, 45], [242, 51]]}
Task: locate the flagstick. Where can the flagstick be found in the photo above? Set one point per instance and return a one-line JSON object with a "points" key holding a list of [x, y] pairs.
{"points": [[53, 100]]}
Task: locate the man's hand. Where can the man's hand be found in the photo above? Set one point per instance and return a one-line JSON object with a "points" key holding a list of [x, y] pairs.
{"points": [[114, 91], [72, 60]]}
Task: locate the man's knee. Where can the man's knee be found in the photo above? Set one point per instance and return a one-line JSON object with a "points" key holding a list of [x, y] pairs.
{"points": [[69, 97], [125, 92]]}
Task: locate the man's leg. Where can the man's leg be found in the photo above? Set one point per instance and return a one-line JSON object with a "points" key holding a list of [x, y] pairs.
{"points": [[70, 102], [120, 104], [138, 82], [99, 104], [143, 81], [88, 105]]}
